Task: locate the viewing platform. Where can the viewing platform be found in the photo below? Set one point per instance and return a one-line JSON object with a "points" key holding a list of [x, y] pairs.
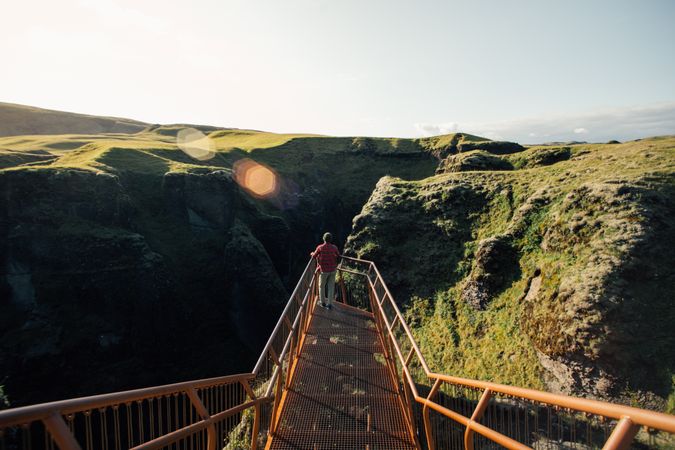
{"points": [[342, 395]]}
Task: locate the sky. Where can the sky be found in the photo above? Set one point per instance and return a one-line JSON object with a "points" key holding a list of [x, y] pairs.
{"points": [[529, 71]]}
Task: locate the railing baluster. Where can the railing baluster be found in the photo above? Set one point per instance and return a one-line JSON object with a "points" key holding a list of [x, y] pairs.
{"points": [[104, 428]]}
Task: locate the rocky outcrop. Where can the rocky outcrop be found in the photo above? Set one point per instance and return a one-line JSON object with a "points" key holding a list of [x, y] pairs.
{"points": [[442, 146], [495, 264], [203, 198], [105, 272], [477, 160], [558, 275], [541, 156]]}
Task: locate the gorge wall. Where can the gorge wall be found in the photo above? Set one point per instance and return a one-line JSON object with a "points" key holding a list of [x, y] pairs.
{"points": [[547, 267]]}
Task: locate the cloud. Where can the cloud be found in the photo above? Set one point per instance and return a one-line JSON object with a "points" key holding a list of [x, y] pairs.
{"points": [[430, 129], [599, 126]]}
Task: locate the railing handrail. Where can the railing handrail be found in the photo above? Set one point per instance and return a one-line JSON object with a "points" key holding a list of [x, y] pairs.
{"points": [[642, 417], [51, 414], [628, 416], [280, 321], [26, 414]]}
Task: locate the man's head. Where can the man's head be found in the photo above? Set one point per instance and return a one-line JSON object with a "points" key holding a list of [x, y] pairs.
{"points": [[327, 237]]}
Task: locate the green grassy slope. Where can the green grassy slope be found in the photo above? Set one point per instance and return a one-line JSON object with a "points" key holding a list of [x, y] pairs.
{"points": [[554, 273], [346, 167], [16, 120]]}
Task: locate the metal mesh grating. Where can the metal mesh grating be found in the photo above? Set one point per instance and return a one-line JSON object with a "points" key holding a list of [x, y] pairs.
{"points": [[342, 395]]}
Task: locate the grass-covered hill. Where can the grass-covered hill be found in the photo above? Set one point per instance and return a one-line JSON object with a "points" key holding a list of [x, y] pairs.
{"points": [[16, 120], [551, 266]]}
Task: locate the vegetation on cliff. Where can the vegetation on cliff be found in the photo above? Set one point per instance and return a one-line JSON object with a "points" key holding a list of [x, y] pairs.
{"points": [[549, 268]]}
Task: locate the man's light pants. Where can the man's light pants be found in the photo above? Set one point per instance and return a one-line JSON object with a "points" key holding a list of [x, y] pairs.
{"points": [[326, 280]]}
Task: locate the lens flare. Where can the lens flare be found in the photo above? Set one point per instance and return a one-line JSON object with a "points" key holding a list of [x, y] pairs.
{"points": [[257, 179], [195, 143]]}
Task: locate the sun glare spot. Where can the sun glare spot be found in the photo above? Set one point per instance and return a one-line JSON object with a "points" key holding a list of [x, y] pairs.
{"points": [[195, 143], [256, 178]]}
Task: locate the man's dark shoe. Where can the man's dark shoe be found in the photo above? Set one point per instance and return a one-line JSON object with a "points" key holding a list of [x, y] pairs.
{"points": [[323, 305], [329, 306]]}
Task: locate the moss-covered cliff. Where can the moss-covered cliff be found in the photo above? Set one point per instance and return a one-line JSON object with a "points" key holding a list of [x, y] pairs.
{"points": [[547, 267]]}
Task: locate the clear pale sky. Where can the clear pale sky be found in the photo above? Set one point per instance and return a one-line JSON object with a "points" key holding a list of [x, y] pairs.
{"points": [[530, 71]]}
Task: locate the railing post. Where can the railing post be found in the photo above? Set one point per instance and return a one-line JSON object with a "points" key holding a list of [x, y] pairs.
{"points": [[622, 435], [431, 444], [256, 427], [291, 357], [277, 401], [475, 417], [317, 290], [409, 408], [60, 432], [256, 415], [343, 290], [204, 414]]}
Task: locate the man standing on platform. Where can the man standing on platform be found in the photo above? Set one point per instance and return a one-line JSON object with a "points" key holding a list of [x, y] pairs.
{"points": [[326, 255]]}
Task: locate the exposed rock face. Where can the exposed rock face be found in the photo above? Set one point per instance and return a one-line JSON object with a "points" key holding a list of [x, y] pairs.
{"points": [[558, 274], [412, 234], [548, 156], [541, 156], [249, 265], [478, 160], [495, 264], [98, 278], [205, 199], [46, 197]]}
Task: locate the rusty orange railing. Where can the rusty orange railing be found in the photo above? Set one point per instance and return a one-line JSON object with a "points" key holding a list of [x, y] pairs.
{"points": [[484, 414], [274, 369], [192, 413], [202, 414]]}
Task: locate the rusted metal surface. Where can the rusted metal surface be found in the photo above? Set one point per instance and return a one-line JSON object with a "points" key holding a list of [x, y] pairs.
{"points": [[622, 435], [196, 414], [342, 395]]}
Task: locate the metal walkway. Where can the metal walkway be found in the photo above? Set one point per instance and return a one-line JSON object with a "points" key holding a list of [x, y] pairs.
{"points": [[342, 395], [342, 379]]}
